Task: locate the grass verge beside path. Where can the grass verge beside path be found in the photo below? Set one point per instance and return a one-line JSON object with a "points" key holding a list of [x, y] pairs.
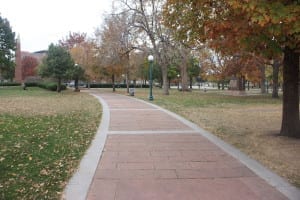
{"points": [[43, 136], [250, 123]]}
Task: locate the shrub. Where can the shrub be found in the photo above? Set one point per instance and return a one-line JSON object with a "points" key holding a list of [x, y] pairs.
{"points": [[50, 86], [117, 85], [31, 84], [10, 84]]}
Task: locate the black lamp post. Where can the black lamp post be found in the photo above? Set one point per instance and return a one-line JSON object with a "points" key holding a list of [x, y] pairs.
{"points": [[178, 75], [150, 59]]}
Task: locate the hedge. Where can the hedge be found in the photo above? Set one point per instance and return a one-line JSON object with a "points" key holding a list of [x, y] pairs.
{"points": [[110, 85], [51, 86], [32, 84], [10, 84]]}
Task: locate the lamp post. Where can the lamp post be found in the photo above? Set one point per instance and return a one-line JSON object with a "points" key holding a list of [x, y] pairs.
{"points": [[150, 59], [178, 75], [76, 88]]}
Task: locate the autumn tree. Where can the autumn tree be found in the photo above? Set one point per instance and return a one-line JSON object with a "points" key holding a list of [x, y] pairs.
{"points": [[7, 48], [264, 27], [147, 20], [58, 64], [126, 42], [138, 65], [29, 66], [72, 40], [110, 54], [76, 73], [84, 54]]}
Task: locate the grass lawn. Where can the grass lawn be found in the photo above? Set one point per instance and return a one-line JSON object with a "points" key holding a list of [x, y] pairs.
{"points": [[43, 135], [250, 123]]}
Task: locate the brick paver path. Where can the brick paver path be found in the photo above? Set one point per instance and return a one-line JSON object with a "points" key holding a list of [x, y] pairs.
{"points": [[149, 154]]}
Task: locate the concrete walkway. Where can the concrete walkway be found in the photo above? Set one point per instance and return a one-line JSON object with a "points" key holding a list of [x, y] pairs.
{"points": [[143, 152]]}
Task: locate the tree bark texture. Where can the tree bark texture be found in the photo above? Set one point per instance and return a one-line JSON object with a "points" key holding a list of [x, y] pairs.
{"points": [[290, 125], [164, 70]]}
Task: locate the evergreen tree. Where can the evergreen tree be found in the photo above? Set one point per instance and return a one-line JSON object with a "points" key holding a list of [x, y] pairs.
{"points": [[58, 64], [7, 48]]}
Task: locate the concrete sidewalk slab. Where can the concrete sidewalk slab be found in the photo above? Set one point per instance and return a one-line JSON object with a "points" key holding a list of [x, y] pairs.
{"points": [[151, 153]]}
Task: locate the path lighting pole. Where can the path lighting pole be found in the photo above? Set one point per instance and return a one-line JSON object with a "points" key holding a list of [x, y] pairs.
{"points": [[150, 59], [178, 75]]}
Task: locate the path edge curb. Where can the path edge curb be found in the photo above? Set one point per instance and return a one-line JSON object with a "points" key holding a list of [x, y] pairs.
{"points": [[79, 184]]}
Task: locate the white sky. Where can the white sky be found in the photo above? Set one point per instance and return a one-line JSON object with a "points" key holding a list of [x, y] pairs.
{"points": [[41, 22]]}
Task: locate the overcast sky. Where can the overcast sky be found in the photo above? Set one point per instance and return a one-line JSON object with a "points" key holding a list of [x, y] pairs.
{"points": [[41, 22]]}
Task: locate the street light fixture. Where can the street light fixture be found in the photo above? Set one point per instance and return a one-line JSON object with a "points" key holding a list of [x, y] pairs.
{"points": [[150, 59]]}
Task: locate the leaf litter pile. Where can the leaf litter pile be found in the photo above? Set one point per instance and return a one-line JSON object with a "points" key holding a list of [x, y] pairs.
{"points": [[43, 135]]}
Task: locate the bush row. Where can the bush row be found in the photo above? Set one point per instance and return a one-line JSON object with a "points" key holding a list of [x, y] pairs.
{"points": [[110, 85], [51, 86], [10, 84], [45, 85]]}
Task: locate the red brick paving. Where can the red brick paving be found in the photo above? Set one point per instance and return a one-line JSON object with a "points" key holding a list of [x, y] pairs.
{"points": [[167, 166]]}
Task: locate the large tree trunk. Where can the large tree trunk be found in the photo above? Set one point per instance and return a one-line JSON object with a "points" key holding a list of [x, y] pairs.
{"points": [[184, 77], [290, 112], [275, 66], [263, 79], [164, 70]]}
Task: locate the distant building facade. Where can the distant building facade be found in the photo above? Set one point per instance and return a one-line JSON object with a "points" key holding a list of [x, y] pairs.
{"points": [[20, 76]]}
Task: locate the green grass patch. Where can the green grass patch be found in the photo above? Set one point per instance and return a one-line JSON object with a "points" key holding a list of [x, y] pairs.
{"points": [[198, 99], [43, 137]]}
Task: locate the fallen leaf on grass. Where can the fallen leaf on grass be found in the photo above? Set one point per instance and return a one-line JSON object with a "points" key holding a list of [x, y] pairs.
{"points": [[44, 172]]}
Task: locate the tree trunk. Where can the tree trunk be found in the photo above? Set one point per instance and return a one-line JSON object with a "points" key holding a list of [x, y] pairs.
{"points": [[113, 82], [290, 125], [275, 66], [58, 85], [263, 79], [165, 79], [127, 83], [191, 82], [184, 74], [244, 83], [184, 80], [76, 85], [248, 85]]}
